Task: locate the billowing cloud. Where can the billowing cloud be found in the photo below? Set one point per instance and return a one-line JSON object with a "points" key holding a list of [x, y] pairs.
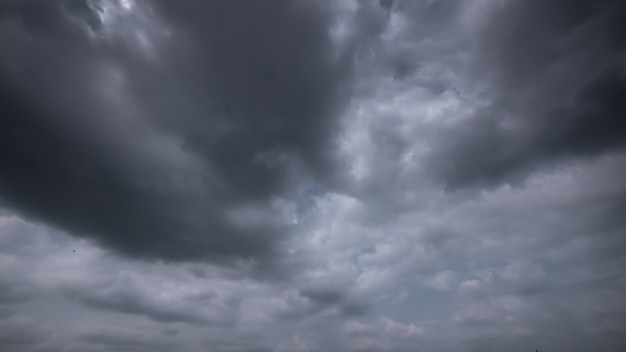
{"points": [[161, 132], [555, 74], [295, 175]]}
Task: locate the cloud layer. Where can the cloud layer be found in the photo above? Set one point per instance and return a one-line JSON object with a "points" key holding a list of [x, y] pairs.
{"points": [[299, 175], [161, 132]]}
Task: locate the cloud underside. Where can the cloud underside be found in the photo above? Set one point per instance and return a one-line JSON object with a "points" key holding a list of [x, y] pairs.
{"points": [[312, 175], [177, 158]]}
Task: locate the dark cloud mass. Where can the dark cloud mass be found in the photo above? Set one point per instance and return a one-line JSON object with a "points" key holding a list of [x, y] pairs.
{"points": [[250, 108], [312, 175], [559, 78]]}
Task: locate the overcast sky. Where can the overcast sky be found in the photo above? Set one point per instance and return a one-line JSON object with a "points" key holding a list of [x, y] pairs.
{"points": [[312, 175]]}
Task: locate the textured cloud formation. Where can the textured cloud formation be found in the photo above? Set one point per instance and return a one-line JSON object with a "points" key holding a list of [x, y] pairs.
{"points": [[162, 132], [557, 78], [296, 175]]}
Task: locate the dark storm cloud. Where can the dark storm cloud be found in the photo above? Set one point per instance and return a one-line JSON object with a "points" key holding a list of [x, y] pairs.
{"points": [[276, 82], [558, 77], [241, 100], [171, 129]]}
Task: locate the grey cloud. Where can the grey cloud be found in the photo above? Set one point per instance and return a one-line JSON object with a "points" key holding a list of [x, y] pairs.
{"points": [[88, 11], [6, 312], [113, 340], [185, 130], [236, 346], [338, 298], [18, 333], [237, 111], [126, 341], [279, 96], [327, 302], [356, 308], [556, 73], [11, 292], [322, 296], [518, 277], [127, 301], [133, 306]]}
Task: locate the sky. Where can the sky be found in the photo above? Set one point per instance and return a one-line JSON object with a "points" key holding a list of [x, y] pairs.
{"points": [[312, 175]]}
